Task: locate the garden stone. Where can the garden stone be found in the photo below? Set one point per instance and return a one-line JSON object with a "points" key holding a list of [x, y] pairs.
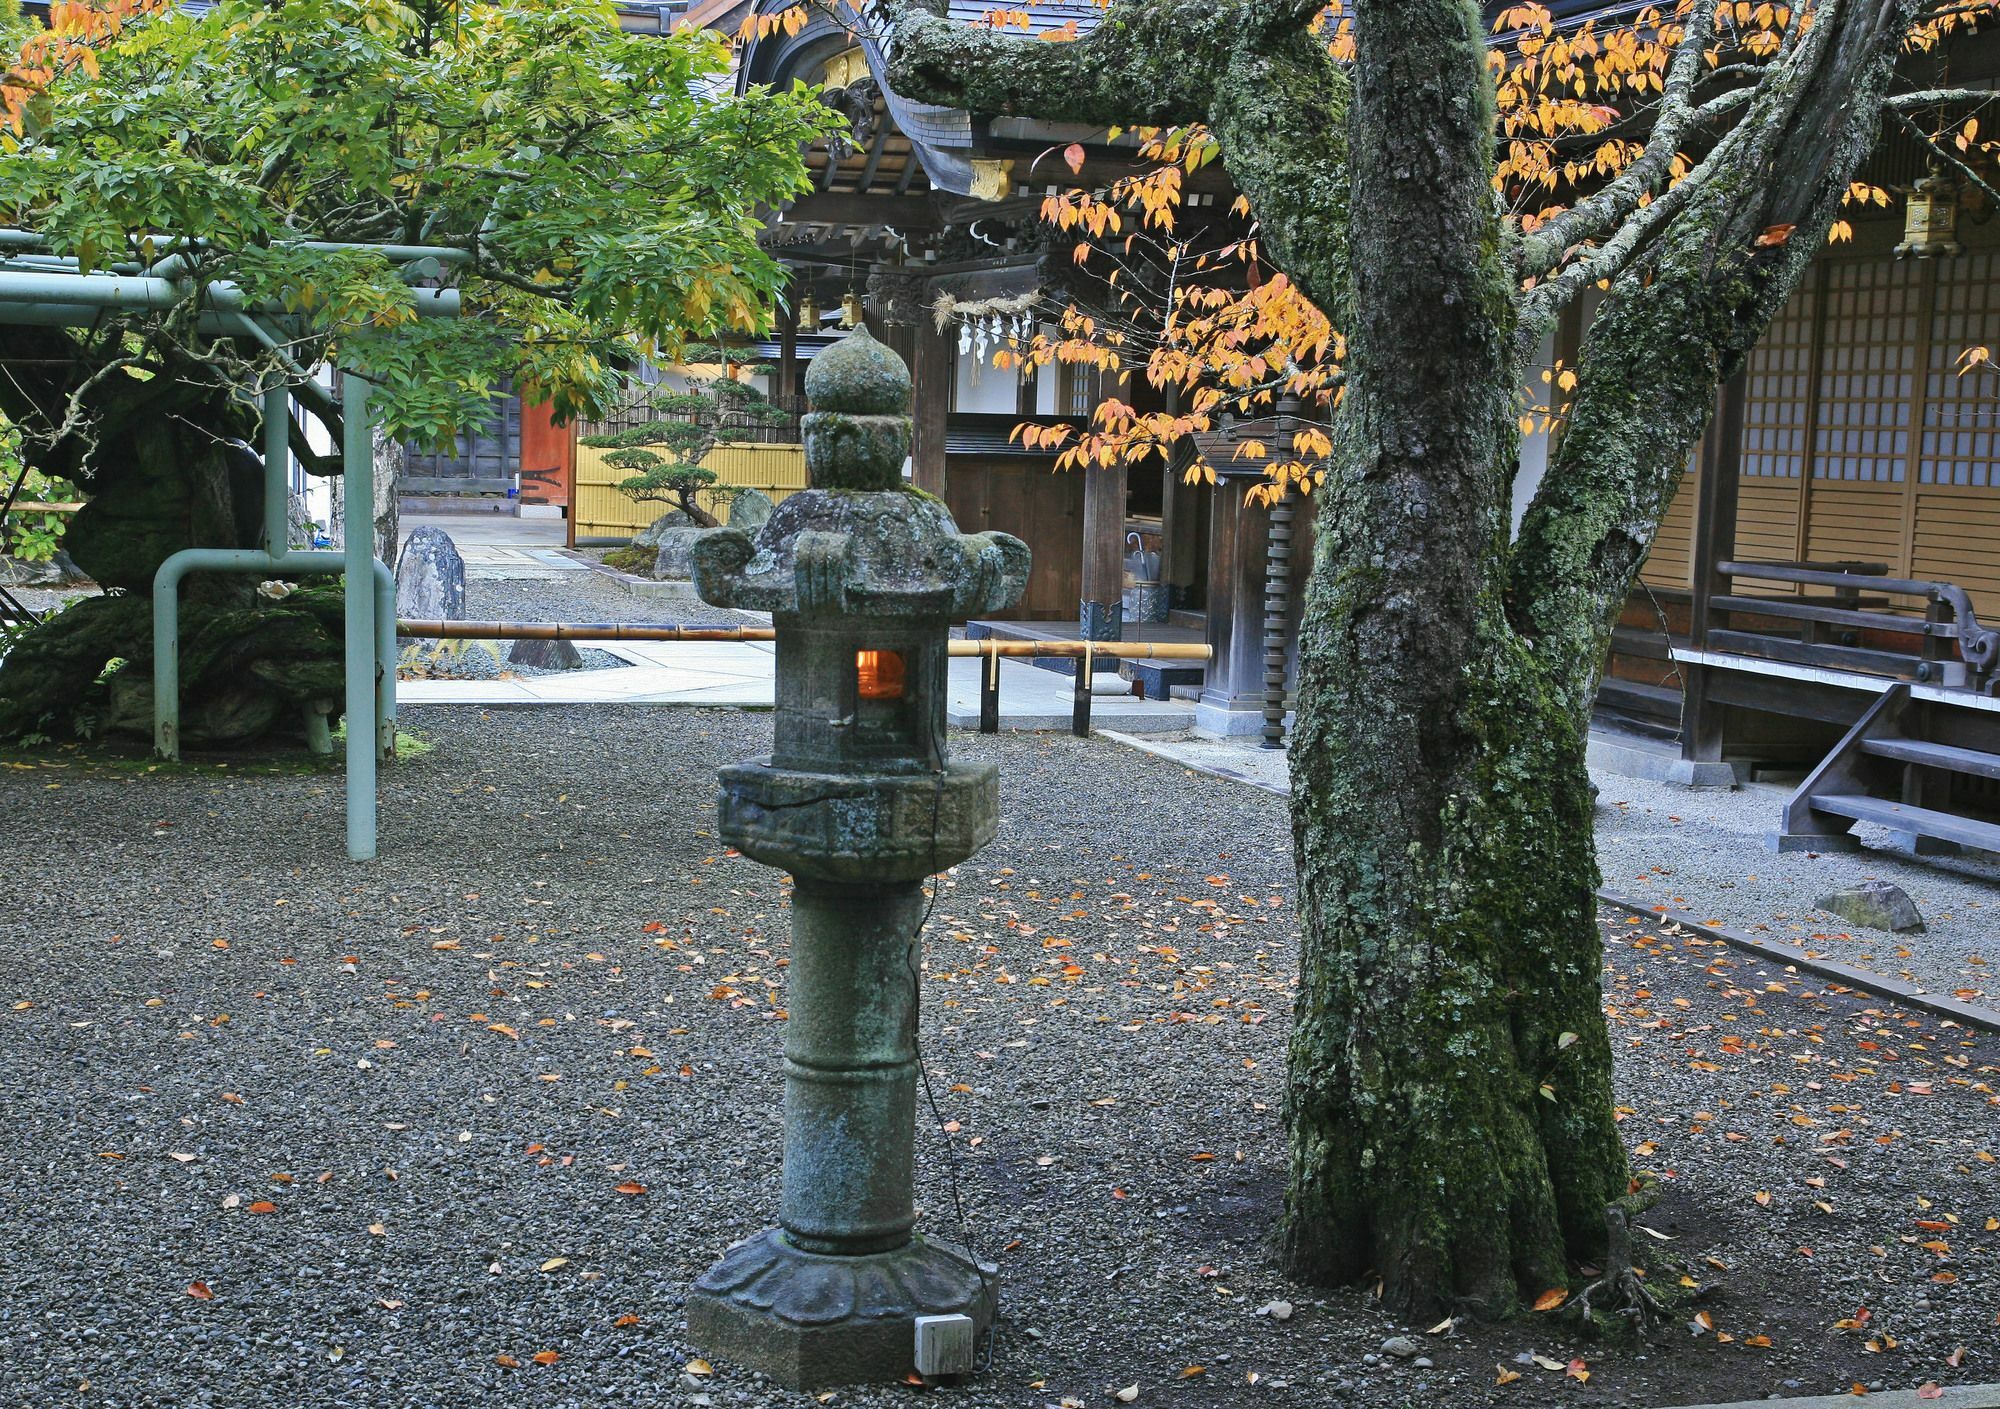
{"points": [[545, 655], [430, 579], [1875, 905], [673, 563], [1402, 1347], [749, 510], [649, 537]]}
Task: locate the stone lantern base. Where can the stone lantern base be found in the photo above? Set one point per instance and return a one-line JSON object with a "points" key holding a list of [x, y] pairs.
{"points": [[811, 1320]]}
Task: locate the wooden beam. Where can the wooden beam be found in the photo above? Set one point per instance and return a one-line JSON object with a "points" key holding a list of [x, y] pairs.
{"points": [[855, 208], [932, 374], [874, 155]]}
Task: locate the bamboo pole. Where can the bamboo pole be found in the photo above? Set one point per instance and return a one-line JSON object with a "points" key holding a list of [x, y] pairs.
{"points": [[620, 631]]}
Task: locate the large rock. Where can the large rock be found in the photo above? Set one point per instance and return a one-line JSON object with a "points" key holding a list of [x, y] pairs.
{"points": [[749, 509], [649, 537], [544, 655], [1875, 905], [430, 579], [674, 563]]}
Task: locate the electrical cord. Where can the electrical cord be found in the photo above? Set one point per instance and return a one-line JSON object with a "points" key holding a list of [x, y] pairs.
{"points": [[986, 1280]]}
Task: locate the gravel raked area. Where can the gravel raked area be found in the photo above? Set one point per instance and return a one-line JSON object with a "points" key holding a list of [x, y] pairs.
{"points": [[1703, 851], [291, 1131], [575, 597]]}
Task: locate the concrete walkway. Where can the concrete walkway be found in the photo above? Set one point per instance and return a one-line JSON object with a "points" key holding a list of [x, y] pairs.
{"points": [[739, 675], [500, 546]]}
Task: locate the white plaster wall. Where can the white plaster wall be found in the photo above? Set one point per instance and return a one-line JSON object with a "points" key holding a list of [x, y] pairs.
{"points": [[984, 387]]}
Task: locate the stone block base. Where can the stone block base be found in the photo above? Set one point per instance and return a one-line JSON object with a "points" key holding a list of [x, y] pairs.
{"points": [[1785, 843], [811, 1321]]}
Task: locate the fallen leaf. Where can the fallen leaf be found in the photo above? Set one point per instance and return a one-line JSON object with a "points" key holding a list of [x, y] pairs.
{"points": [[553, 1263], [545, 1357], [1504, 1376], [628, 1319], [199, 1291], [1929, 1391], [631, 1187], [698, 1366], [1126, 1395], [1552, 1298], [262, 1206], [183, 1159], [506, 1361]]}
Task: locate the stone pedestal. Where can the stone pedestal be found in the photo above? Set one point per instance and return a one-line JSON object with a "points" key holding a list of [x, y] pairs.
{"points": [[857, 800]]}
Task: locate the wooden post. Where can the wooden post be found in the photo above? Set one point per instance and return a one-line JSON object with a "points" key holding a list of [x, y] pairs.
{"points": [[1101, 616], [1714, 543], [932, 374], [788, 348]]}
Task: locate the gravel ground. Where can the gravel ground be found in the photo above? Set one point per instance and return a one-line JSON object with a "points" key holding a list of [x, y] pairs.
{"points": [[593, 597], [290, 1131], [1703, 851]]}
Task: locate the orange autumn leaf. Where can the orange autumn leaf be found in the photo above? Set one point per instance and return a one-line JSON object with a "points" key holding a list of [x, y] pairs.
{"points": [[1552, 1298], [262, 1206], [631, 1187], [545, 1357], [199, 1291]]}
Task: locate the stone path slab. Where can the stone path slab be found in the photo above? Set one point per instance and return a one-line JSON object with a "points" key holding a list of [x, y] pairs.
{"points": [[731, 674], [1954, 1397]]}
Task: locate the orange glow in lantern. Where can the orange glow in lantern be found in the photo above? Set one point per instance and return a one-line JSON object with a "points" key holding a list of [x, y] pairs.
{"points": [[879, 675]]}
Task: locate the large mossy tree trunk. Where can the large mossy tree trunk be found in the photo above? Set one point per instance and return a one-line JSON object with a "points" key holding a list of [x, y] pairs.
{"points": [[166, 463], [1450, 1107]]}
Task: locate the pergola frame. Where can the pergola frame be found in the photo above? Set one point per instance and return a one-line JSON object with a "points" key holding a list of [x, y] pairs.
{"points": [[51, 290]]}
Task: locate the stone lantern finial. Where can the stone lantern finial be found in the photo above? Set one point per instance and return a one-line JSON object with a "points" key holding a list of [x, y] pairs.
{"points": [[858, 433], [863, 577]]}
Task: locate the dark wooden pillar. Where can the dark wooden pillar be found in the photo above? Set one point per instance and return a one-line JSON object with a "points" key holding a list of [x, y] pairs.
{"points": [[932, 370], [1714, 544], [788, 348], [1101, 616], [1232, 698]]}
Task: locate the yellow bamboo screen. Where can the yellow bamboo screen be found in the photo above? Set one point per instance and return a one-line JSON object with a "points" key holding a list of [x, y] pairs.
{"points": [[602, 511]]}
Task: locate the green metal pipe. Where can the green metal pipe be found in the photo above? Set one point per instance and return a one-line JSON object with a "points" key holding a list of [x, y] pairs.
{"points": [[139, 292], [357, 495], [167, 625]]}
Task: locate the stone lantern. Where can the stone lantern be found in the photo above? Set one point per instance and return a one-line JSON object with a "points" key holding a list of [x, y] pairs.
{"points": [[862, 576]]}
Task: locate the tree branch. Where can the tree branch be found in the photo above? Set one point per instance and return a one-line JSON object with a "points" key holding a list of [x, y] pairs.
{"points": [[1144, 64]]}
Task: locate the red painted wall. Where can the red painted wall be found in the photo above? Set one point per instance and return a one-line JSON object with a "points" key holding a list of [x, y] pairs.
{"points": [[548, 456]]}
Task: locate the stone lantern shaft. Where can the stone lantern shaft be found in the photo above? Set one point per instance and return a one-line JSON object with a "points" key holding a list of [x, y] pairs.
{"points": [[857, 799]]}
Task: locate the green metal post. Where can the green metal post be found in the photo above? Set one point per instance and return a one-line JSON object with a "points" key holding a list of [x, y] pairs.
{"points": [[357, 494], [277, 459]]}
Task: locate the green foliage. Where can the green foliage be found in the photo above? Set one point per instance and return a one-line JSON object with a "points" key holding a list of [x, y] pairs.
{"points": [[25, 534], [662, 482], [601, 192]]}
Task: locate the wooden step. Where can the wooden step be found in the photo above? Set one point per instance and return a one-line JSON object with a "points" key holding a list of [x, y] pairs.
{"points": [[1914, 821], [1941, 756], [1637, 697]]}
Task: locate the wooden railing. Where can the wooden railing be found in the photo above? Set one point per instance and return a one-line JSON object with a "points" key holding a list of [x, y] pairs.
{"points": [[1953, 647]]}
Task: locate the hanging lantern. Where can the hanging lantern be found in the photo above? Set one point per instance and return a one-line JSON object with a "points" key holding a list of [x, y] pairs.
{"points": [[809, 314], [850, 309], [1930, 225]]}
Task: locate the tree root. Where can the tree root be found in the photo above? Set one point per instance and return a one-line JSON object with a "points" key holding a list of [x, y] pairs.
{"points": [[1622, 1292]]}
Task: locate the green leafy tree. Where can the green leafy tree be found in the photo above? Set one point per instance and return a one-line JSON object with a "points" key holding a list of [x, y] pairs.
{"points": [[593, 196]]}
